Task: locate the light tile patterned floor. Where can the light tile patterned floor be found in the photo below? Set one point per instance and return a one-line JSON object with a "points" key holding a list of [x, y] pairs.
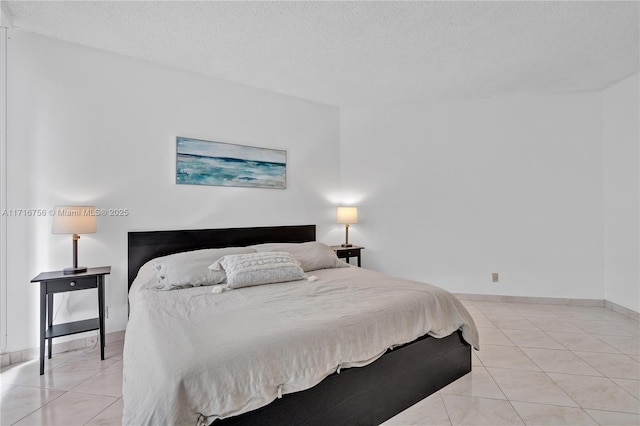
{"points": [[542, 365], [539, 365]]}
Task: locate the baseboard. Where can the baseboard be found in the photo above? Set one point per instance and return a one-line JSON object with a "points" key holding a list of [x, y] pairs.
{"points": [[533, 300], [69, 345], [622, 310], [551, 301]]}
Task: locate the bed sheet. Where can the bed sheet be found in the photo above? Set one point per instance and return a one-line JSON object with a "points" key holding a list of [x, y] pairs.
{"points": [[192, 356]]}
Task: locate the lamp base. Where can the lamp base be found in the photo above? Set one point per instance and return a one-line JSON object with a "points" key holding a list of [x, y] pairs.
{"points": [[346, 245], [72, 270]]}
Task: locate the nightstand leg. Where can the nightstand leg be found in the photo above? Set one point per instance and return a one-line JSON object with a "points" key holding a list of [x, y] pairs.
{"points": [[101, 313], [43, 324], [359, 261], [50, 320]]}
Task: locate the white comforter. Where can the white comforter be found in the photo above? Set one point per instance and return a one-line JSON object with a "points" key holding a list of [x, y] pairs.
{"points": [[191, 356]]}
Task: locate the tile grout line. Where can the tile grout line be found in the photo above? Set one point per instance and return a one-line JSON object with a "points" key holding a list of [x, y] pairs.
{"points": [[89, 378], [610, 378], [545, 373], [106, 408], [602, 377], [42, 406], [553, 381], [491, 376], [505, 395], [444, 404]]}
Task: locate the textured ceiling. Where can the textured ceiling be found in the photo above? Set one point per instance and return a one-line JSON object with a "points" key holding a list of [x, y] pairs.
{"points": [[352, 53]]}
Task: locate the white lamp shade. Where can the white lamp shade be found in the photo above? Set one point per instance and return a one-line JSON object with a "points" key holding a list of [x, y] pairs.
{"points": [[347, 215], [74, 220]]}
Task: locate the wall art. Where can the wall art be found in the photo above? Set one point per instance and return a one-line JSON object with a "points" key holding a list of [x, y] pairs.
{"points": [[200, 162]]}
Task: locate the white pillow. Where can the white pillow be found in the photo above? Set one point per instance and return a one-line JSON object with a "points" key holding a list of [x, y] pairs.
{"points": [[244, 270], [191, 268], [312, 255]]}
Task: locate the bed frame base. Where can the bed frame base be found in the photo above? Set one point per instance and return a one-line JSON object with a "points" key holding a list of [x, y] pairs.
{"points": [[372, 394]]}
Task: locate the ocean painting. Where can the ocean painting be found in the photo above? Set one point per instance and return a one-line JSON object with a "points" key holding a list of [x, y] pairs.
{"points": [[201, 162]]}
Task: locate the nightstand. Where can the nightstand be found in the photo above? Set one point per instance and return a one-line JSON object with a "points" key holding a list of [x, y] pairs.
{"points": [[59, 282], [349, 252]]}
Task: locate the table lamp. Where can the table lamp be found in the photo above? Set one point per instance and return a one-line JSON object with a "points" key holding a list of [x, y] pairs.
{"points": [[74, 220], [348, 216]]}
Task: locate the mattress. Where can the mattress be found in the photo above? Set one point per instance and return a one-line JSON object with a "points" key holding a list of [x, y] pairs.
{"points": [[192, 356]]}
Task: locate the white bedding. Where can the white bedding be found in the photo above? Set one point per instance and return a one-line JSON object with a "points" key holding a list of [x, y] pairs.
{"points": [[191, 356]]}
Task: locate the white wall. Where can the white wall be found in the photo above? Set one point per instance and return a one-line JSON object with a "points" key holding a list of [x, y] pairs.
{"points": [[453, 191], [449, 192], [86, 126], [621, 140]]}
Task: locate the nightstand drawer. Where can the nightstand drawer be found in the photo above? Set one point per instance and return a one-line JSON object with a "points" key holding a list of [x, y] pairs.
{"points": [[71, 284], [349, 253]]}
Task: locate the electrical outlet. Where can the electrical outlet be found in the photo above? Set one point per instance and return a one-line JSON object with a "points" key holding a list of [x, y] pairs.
{"points": [[106, 312], [494, 277]]}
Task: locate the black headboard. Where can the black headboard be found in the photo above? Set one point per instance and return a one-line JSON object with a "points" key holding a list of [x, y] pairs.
{"points": [[146, 245]]}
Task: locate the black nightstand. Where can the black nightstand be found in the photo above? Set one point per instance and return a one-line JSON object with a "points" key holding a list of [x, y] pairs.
{"points": [[59, 282], [349, 252]]}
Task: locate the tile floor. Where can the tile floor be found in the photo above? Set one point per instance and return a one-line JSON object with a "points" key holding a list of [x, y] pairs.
{"points": [[542, 365], [539, 365]]}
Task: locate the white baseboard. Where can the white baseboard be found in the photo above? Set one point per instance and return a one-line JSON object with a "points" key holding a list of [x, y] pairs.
{"points": [[622, 310], [551, 301], [70, 345], [532, 300]]}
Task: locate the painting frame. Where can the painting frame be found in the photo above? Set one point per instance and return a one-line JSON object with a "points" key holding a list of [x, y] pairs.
{"points": [[214, 163]]}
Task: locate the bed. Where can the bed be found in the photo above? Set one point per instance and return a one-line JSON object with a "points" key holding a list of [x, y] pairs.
{"points": [[182, 366]]}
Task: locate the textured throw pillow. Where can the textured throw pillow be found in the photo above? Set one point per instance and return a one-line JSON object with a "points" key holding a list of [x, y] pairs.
{"points": [[191, 268], [244, 270], [312, 255]]}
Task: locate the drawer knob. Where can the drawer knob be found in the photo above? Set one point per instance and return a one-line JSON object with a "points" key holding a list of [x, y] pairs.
{"points": [[72, 283]]}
